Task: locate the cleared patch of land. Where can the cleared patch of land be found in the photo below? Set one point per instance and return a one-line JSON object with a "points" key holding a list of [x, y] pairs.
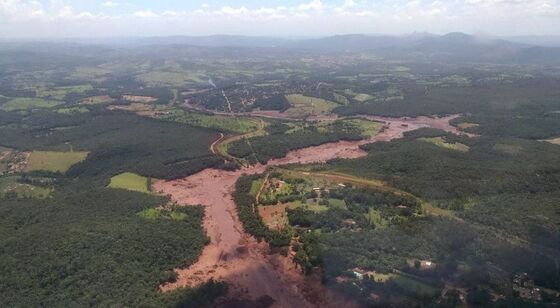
{"points": [[302, 105], [24, 103], [466, 125], [441, 142], [158, 78], [10, 186], [130, 181], [100, 99], [139, 99], [54, 161], [224, 123], [363, 97], [554, 141], [157, 213]]}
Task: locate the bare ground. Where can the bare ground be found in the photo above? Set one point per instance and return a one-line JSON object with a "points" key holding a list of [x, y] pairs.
{"points": [[237, 258]]}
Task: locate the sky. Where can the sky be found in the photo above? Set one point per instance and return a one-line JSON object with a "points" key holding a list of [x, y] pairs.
{"points": [[293, 18]]}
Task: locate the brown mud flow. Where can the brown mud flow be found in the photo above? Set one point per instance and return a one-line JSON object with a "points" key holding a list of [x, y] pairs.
{"points": [[237, 258]]}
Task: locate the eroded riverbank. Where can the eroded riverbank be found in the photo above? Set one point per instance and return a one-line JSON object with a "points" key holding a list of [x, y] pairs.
{"points": [[236, 257]]}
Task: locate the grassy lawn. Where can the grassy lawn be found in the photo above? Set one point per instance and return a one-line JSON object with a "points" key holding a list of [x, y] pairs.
{"points": [[418, 287], [337, 203], [255, 186], [302, 105], [237, 125], [361, 97], [415, 286], [153, 213], [158, 78], [440, 142], [130, 181], [24, 103], [369, 128], [54, 161]]}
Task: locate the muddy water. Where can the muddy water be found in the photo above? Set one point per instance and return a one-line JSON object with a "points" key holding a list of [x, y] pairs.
{"points": [[237, 258]]}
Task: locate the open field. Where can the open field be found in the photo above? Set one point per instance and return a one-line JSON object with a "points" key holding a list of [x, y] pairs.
{"points": [[54, 161], [369, 128], [467, 125], [232, 124], [100, 99], [58, 93], [554, 141], [139, 99], [440, 142], [174, 79], [24, 103], [407, 283], [130, 181], [157, 213], [302, 105]]}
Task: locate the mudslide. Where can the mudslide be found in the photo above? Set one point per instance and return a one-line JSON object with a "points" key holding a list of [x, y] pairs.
{"points": [[237, 258]]}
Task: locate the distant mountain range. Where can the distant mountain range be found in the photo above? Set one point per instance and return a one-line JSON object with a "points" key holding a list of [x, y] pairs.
{"points": [[456, 46], [451, 47]]}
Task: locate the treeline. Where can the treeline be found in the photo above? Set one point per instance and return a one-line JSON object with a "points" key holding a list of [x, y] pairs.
{"points": [[278, 143], [249, 216]]}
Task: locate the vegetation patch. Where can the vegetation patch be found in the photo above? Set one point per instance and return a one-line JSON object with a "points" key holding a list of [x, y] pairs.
{"points": [[59, 93], [72, 110], [441, 142], [508, 148], [174, 79], [54, 161], [25, 103], [13, 187], [94, 100], [238, 125], [302, 105], [130, 181], [139, 99], [467, 125], [163, 213], [363, 97]]}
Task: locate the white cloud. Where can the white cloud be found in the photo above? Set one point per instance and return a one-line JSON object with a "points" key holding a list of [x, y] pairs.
{"points": [[308, 17], [110, 4], [145, 14]]}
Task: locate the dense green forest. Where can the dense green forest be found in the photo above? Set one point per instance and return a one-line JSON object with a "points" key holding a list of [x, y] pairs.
{"points": [[502, 188], [88, 245]]}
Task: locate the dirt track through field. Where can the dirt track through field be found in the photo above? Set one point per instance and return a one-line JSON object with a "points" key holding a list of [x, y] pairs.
{"points": [[236, 257]]}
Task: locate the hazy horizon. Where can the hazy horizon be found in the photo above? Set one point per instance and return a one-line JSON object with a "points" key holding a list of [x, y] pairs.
{"points": [[308, 18]]}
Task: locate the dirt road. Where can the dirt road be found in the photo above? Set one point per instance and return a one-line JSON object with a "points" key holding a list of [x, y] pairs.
{"points": [[237, 258]]}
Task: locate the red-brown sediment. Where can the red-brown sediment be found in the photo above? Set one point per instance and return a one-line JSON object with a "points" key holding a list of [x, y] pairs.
{"points": [[236, 257]]}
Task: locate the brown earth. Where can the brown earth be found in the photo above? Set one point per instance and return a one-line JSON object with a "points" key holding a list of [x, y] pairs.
{"points": [[237, 258]]}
